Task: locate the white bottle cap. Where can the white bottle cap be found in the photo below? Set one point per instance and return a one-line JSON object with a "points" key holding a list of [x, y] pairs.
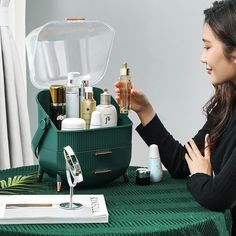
{"points": [[73, 78], [96, 120], [71, 124], [154, 151]]}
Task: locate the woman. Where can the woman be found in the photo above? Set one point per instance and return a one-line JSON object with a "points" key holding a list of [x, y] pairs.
{"points": [[210, 157]]}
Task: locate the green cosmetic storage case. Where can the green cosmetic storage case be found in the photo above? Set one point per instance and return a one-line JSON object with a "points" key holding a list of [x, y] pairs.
{"points": [[54, 50]]}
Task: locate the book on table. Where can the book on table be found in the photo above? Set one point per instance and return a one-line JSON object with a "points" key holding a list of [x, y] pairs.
{"points": [[45, 209]]}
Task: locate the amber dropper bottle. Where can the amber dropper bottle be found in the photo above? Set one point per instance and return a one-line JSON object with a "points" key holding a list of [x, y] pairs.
{"points": [[125, 89]]}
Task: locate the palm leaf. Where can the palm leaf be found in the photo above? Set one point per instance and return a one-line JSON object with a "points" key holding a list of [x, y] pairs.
{"points": [[18, 183]]}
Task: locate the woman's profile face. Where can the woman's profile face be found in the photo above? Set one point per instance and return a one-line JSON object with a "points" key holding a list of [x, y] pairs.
{"points": [[218, 66]]}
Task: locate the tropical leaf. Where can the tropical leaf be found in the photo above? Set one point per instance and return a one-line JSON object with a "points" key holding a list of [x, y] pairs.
{"points": [[18, 183]]}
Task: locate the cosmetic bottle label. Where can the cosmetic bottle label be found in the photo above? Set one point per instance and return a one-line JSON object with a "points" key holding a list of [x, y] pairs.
{"points": [[108, 114], [87, 107], [125, 91], [72, 105], [61, 117], [57, 114]]}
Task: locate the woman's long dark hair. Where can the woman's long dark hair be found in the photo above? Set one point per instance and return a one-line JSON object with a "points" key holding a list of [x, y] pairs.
{"points": [[221, 18]]}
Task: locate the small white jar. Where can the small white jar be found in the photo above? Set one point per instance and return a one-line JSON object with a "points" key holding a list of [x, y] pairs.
{"points": [[72, 124]]}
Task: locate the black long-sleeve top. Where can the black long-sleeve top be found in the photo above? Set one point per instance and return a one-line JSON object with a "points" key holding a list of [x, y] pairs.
{"points": [[217, 192]]}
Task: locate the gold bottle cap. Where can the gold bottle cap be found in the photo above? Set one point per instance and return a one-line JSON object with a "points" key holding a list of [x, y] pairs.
{"points": [[124, 70], [58, 94]]}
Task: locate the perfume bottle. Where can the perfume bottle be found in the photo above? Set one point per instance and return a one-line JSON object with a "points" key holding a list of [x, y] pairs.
{"points": [[155, 163], [83, 84], [125, 89], [88, 105], [58, 104], [72, 95], [107, 110]]}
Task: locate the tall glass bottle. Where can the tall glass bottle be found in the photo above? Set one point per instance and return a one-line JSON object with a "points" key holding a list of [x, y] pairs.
{"points": [[125, 89], [83, 84], [88, 105]]}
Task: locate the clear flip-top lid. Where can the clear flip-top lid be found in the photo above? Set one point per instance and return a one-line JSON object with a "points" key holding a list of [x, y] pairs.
{"points": [[60, 47]]}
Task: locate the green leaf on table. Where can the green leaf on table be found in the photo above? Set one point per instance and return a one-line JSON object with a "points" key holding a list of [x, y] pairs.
{"points": [[18, 183]]}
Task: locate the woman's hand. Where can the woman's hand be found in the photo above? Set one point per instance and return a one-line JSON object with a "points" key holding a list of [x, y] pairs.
{"points": [[139, 103], [196, 162]]}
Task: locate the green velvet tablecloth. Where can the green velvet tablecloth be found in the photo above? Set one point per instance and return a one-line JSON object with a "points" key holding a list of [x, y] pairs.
{"points": [[164, 208]]}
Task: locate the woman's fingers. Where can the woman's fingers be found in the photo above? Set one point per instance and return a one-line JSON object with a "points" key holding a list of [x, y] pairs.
{"points": [[194, 147], [194, 152], [117, 90], [117, 84], [188, 159], [191, 154]]}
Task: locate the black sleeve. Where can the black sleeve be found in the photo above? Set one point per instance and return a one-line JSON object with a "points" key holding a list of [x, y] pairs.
{"points": [[218, 192], [171, 151], [215, 193]]}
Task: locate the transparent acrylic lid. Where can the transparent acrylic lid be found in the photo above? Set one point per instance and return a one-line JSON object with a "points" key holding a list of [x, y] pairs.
{"points": [[60, 47]]}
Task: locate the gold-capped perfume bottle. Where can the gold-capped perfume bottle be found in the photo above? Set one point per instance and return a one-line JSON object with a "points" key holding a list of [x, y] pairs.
{"points": [[125, 89]]}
